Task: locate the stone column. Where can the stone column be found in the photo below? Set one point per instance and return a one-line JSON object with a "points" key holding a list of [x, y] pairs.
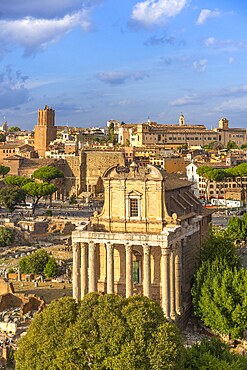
{"points": [[177, 283], [129, 270], [109, 268], [146, 270], [84, 271], [172, 285], [165, 287], [76, 271], [92, 268]]}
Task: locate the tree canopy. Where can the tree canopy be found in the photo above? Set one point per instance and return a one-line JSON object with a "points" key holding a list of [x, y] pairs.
{"points": [[14, 129], [4, 170], [101, 332], [6, 236], [219, 289], [11, 196], [237, 228], [38, 190], [213, 354], [47, 173], [39, 262], [16, 180]]}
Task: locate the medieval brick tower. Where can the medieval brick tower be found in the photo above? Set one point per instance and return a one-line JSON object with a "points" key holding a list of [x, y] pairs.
{"points": [[45, 131]]}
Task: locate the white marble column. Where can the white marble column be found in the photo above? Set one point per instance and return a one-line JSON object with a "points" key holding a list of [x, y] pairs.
{"points": [[76, 272], [84, 271], [172, 285], [109, 268], [92, 268], [165, 281], [146, 270], [129, 270], [177, 283]]}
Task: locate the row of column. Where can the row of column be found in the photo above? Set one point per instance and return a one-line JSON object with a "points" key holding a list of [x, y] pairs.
{"points": [[171, 282], [84, 273]]}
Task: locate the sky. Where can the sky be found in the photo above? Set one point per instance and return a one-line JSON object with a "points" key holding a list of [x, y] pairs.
{"points": [[95, 60]]}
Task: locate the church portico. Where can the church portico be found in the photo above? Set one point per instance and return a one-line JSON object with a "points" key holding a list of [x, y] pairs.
{"points": [[118, 253], [137, 275]]}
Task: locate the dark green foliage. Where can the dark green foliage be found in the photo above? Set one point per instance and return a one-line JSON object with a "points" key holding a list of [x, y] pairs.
{"points": [[4, 170], [72, 199], [38, 349], [14, 129], [2, 138], [219, 289], [51, 268], [213, 355], [109, 333], [6, 236], [47, 173], [38, 263], [237, 228], [219, 244], [231, 145], [38, 190], [11, 196], [16, 180]]}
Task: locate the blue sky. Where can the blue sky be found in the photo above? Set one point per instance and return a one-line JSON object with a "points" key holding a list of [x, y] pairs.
{"points": [[94, 60]]}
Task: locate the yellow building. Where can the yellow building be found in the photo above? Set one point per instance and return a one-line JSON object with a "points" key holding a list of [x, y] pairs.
{"points": [[145, 241]]}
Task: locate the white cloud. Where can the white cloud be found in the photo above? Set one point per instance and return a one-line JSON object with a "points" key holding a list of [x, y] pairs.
{"points": [[120, 77], [151, 12], [34, 24], [205, 14], [234, 105], [231, 60], [225, 45], [34, 34], [200, 65], [193, 99]]}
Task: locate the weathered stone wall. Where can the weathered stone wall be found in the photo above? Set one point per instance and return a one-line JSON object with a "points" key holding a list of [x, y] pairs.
{"points": [[94, 164]]}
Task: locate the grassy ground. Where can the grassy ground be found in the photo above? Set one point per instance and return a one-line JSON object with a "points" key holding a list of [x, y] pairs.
{"points": [[47, 290]]}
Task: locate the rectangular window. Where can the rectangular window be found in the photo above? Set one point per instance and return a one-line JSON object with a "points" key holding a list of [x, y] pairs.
{"points": [[136, 274], [134, 207]]}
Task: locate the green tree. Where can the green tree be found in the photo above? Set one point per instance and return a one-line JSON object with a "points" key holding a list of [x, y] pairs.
{"points": [[237, 228], [222, 301], [39, 262], [213, 354], [231, 145], [108, 332], [11, 196], [219, 289], [6, 236], [2, 137], [47, 173], [38, 190], [51, 268], [4, 170], [14, 129], [38, 349], [210, 174], [16, 180]]}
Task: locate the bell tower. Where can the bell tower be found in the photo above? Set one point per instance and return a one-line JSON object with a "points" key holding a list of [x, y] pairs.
{"points": [[181, 120], [45, 131]]}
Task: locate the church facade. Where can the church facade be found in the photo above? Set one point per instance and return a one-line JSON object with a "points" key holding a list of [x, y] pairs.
{"points": [[146, 240]]}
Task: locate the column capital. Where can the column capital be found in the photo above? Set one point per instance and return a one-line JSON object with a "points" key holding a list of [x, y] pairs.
{"points": [[128, 247], [146, 248], [109, 246], [91, 245], [165, 251]]}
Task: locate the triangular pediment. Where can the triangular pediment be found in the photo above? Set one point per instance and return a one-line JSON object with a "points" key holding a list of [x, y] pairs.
{"points": [[134, 193]]}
